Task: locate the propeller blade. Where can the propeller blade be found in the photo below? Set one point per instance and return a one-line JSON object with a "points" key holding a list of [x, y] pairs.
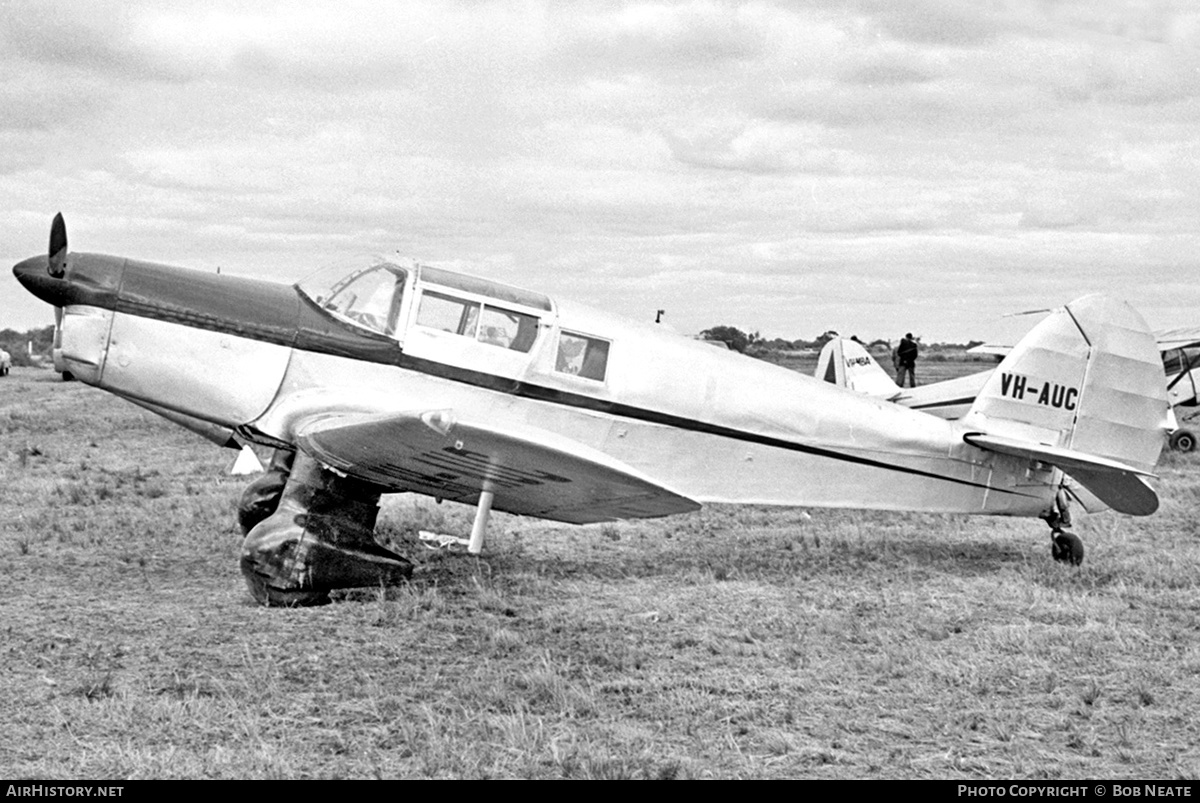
{"points": [[58, 247]]}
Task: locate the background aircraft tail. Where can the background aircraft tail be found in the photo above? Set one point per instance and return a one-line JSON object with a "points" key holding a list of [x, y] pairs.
{"points": [[1083, 391], [847, 364]]}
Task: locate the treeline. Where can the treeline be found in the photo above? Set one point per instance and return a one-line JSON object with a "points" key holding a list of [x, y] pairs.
{"points": [[753, 343], [17, 343]]}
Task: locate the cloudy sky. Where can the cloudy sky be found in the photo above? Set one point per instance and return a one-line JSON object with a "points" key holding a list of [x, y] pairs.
{"points": [[872, 166]]}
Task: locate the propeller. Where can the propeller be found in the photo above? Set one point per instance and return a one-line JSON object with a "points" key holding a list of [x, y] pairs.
{"points": [[57, 265]]}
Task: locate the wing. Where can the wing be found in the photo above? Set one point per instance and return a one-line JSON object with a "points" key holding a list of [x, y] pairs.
{"points": [[531, 472], [1117, 485], [1181, 338], [1168, 339], [992, 349]]}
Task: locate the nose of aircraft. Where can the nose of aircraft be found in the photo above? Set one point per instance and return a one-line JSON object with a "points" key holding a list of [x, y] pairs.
{"points": [[34, 276], [64, 280]]}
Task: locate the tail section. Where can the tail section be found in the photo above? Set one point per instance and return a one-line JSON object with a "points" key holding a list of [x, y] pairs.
{"points": [[847, 364], [1083, 391]]}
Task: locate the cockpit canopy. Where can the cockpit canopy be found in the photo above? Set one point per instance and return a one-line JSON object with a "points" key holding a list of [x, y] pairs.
{"points": [[368, 295], [371, 295]]}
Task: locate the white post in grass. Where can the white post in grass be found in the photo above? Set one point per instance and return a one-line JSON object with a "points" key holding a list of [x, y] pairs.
{"points": [[481, 519]]}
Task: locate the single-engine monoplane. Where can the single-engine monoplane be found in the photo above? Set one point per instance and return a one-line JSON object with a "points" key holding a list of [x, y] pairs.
{"points": [[382, 377]]}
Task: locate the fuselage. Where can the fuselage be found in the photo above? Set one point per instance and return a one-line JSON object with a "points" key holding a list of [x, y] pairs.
{"points": [[258, 359]]}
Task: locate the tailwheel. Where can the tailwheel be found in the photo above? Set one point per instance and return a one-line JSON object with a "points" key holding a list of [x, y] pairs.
{"points": [[1183, 440], [1066, 547]]}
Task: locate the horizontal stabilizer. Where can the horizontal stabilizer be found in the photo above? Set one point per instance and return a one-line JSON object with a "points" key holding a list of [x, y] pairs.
{"points": [[1119, 486]]}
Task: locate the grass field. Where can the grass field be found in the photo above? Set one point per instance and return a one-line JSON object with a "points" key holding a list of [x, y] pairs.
{"points": [[738, 642]]}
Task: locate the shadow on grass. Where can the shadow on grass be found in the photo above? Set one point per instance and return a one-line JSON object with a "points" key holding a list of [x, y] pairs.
{"points": [[775, 558]]}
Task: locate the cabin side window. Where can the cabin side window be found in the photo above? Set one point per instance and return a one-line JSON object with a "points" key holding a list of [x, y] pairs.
{"points": [[583, 356], [448, 314], [511, 330]]}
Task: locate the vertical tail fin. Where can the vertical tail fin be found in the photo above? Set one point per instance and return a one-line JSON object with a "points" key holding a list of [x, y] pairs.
{"points": [[1084, 391], [847, 364]]}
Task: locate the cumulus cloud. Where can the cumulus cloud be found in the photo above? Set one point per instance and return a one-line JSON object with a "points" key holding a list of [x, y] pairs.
{"points": [[758, 147], [649, 37]]}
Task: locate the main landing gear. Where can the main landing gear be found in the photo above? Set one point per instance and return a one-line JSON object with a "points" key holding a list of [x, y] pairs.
{"points": [[262, 496], [1065, 547], [309, 531]]}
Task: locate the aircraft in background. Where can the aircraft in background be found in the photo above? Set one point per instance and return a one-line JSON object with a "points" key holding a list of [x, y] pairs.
{"points": [[379, 377], [846, 363], [1180, 349]]}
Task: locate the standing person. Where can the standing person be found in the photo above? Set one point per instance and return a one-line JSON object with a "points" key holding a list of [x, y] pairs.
{"points": [[906, 361]]}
